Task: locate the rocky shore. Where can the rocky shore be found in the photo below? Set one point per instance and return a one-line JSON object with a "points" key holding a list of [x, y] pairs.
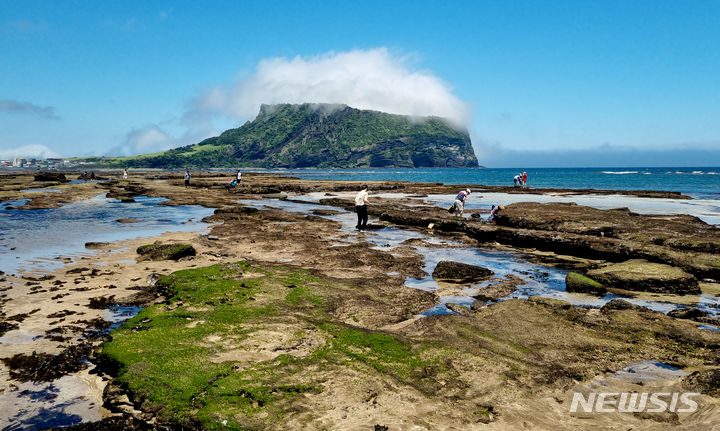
{"points": [[284, 320]]}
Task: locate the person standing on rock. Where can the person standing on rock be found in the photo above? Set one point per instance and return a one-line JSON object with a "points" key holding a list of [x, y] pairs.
{"points": [[459, 203], [187, 178], [524, 179], [361, 204], [517, 180], [238, 177], [125, 174]]}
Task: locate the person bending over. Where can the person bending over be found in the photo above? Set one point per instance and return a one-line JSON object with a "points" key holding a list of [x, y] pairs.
{"points": [[459, 203], [361, 203]]}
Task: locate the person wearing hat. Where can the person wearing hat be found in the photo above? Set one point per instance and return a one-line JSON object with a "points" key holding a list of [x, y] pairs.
{"points": [[524, 179], [459, 203]]}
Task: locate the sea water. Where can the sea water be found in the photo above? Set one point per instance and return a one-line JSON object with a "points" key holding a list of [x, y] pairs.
{"points": [[696, 182]]}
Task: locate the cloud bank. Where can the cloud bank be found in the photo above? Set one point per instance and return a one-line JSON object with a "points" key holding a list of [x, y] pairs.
{"points": [[606, 155], [34, 151], [364, 79], [148, 139], [17, 107]]}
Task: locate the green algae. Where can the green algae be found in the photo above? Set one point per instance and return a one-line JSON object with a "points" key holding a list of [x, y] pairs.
{"points": [[170, 365]]}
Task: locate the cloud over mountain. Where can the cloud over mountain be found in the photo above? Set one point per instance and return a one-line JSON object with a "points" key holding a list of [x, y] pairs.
{"points": [[365, 79]]}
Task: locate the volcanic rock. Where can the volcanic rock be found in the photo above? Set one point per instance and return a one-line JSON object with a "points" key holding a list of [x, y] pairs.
{"points": [[639, 274], [458, 272]]}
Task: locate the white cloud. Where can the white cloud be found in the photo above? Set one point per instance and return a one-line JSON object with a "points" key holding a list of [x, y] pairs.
{"points": [[364, 79], [149, 139], [34, 151]]}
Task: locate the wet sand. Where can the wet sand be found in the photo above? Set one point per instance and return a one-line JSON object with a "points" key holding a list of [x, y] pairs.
{"points": [[495, 381]]}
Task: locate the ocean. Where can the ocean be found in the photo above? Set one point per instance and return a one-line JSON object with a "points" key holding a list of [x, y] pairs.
{"points": [[701, 183]]}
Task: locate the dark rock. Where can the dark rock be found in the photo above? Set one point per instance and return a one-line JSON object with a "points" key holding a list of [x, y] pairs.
{"points": [[6, 327], [93, 244], [687, 313], [458, 272], [165, 251], [127, 220], [575, 282], [101, 302], [326, 212], [641, 275], [621, 304], [51, 176], [45, 367], [77, 270], [706, 382]]}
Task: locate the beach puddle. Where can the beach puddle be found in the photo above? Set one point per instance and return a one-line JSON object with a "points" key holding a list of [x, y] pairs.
{"points": [[45, 239], [71, 399], [537, 280], [66, 401]]}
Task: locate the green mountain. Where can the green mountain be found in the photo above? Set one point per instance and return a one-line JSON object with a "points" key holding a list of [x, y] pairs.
{"points": [[322, 136]]}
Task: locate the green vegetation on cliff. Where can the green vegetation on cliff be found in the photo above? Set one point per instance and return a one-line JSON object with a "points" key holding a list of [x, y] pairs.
{"points": [[323, 136]]}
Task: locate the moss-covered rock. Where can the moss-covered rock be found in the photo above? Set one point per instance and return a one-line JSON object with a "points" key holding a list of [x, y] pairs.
{"points": [[575, 282], [165, 251], [458, 272], [639, 274]]}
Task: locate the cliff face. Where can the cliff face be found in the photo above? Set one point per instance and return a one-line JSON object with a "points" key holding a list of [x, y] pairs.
{"points": [[327, 136]]}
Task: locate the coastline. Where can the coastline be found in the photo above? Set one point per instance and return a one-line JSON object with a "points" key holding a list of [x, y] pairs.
{"points": [[308, 241]]}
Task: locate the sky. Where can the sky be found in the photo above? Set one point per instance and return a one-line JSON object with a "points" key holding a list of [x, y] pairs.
{"points": [[536, 83]]}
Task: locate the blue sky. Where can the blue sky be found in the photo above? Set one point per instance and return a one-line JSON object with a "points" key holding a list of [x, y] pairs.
{"points": [[539, 83]]}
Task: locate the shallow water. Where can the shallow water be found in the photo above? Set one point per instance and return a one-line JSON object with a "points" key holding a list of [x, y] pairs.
{"points": [[707, 210], [33, 240], [69, 400], [540, 280]]}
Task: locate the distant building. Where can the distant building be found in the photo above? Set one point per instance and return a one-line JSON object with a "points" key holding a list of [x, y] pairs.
{"points": [[19, 162]]}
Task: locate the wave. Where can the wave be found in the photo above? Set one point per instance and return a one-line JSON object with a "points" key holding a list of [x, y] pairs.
{"points": [[619, 172]]}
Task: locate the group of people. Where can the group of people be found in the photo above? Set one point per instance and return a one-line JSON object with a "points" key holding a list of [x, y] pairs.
{"points": [[520, 179], [233, 184], [457, 208]]}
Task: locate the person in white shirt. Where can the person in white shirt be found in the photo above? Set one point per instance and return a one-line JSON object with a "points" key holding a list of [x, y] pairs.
{"points": [[361, 203], [238, 177]]}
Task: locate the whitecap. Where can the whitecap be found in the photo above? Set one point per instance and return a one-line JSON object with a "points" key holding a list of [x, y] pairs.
{"points": [[620, 172]]}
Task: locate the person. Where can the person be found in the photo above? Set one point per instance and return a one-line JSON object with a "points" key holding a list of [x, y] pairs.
{"points": [[85, 176], [92, 176], [459, 203], [238, 177], [495, 211], [524, 178], [361, 204], [517, 180], [187, 178], [125, 174]]}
